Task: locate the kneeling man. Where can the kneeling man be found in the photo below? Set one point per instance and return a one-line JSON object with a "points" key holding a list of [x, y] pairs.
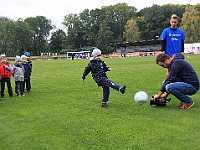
{"points": [[181, 81]]}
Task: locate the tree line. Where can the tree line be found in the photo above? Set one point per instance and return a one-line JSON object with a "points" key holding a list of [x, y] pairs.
{"points": [[97, 27]]}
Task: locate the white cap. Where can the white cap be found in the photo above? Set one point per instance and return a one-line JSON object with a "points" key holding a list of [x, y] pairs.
{"points": [[96, 52]]}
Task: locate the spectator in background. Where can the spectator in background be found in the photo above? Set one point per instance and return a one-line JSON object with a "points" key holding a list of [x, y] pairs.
{"points": [[172, 39]]}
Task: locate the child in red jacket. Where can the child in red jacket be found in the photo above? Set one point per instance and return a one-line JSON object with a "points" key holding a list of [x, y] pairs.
{"points": [[5, 73]]}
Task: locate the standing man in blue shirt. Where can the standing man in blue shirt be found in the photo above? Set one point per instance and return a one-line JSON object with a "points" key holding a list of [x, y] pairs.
{"points": [[172, 38], [182, 79]]}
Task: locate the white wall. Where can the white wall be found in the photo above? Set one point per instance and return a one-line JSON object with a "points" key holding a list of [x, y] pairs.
{"points": [[192, 47]]}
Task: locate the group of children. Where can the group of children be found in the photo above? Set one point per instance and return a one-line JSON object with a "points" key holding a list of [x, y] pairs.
{"points": [[21, 71]]}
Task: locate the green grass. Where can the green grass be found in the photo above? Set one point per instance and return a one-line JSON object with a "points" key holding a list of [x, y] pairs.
{"points": [[64, 113]]}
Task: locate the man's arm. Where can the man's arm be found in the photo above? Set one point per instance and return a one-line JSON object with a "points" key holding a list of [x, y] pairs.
{"points": [[182, 51], [163, 44]]}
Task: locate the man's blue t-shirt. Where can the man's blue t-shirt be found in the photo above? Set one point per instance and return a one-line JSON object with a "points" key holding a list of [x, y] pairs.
{"points": [[173, 38]]}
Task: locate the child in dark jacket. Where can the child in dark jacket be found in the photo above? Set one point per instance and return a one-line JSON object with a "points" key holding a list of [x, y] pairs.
{"points": [[28, 55], [27, 73], [98, 69]]}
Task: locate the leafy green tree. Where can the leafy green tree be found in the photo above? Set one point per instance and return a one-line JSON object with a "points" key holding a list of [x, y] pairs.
{"points": [[86, 28], [104, 36], [40, 28], [57, 41], [143, 27], [191, 24], [131, 33], [6, 37], [22, 38], [116, 17], [157, 18], [71, 22]]}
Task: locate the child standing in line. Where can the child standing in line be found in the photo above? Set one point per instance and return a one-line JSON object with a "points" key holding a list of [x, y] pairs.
{"points": [[27, 73], [18, 73], [28, 80], [98, 69], [5, 73]]}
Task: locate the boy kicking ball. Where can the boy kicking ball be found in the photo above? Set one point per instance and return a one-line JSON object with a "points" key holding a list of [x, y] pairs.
{"points": [[98, 69]]}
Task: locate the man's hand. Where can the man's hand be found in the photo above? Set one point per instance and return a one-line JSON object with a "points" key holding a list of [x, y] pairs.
{"points": [[158, 95], [164, 96]]}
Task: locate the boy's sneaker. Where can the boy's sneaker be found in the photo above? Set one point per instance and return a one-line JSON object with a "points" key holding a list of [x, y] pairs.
{"points": [[17, 95], [180, 104], [105, 105], [122, 89], [22, 95], [187, 105]]}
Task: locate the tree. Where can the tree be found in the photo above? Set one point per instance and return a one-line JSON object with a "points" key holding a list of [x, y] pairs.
{"points": [[57, 41], [87, 27], [191, 24], [116, 17], [71, 22], [104, 36], [40, 28], [143, 27], [5, 34], [22, 38], [131, 33], [157, 17]]}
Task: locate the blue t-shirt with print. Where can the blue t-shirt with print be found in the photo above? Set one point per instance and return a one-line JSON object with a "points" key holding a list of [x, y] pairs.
{"points": [[173, 38]]}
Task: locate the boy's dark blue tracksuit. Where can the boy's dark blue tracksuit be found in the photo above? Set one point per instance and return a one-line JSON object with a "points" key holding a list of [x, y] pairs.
{"points": [[98, 70], [27, 74]]}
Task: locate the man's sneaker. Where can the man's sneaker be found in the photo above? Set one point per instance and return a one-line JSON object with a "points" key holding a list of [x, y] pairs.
{"points": [[122, 89], [187, 105], [105, 105], [180, 104]]}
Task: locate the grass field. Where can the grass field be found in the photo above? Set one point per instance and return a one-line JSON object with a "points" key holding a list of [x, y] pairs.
{"points": [[64, 113]]}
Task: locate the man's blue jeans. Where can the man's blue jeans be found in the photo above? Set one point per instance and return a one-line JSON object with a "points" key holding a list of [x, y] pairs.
{"points": [[180, 90]]}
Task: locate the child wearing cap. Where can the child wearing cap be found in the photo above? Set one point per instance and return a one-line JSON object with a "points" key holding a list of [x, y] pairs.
{"points": [[18, 74], [27, 73], [28, 80], [98, 69], [5, 73]]}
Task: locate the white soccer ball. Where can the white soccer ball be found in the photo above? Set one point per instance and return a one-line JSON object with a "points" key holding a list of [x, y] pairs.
{"points": [[141, 97]]}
